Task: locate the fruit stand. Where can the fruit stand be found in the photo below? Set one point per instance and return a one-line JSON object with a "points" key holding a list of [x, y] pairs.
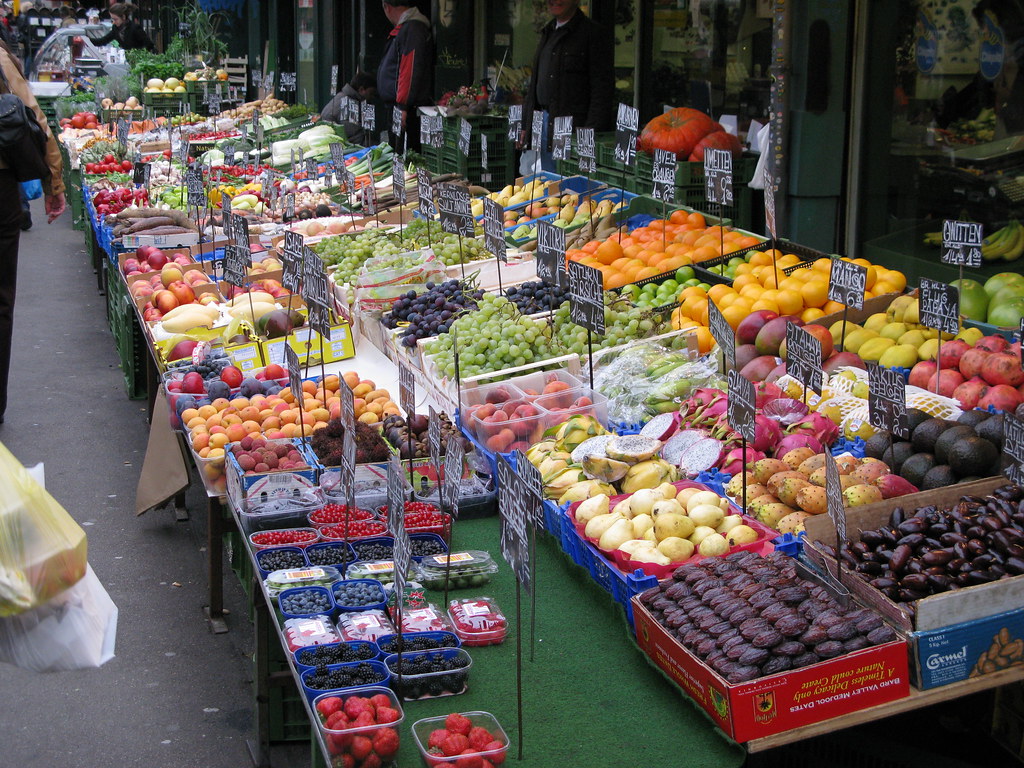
{"points": [[274, 301]]}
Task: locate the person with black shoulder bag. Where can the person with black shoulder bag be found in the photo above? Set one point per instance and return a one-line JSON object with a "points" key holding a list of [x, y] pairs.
{"points": [[27, 151]]}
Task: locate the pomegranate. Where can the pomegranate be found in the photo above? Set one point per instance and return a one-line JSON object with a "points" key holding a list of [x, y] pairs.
{"points": [[921, 373], [1003, 368], [993, 343], [970, 392], [972, 361], [947, 382], [951, 352], [1002, 397]]}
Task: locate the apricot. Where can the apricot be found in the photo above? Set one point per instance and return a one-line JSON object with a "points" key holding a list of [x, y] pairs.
{"points": [[206, 411], [200, 441], [239, 403], [188, 414], [195, 422], [252, 427], [236, 432], [369, 418], [271, 422], [351, 378], [220, 403], [219, 440], [321, 414]]}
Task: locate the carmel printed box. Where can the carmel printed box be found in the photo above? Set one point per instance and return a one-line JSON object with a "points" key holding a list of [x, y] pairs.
{"points": [[970, 649]]}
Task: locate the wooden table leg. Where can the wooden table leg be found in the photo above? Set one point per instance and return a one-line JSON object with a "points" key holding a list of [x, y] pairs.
{"points": [[215, 566]]}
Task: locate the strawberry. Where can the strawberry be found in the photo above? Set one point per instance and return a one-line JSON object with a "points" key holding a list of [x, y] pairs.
{"points": [[380, 700], [354, 705], [327, 707], [336, 721], [385, 743], [343, 761], [454, 744], [364, 719], [470, 759], [361, 747], [458, 723], [437, 737], [486, 764], [478, 737], [372, 761], [389, 715], [499, 752]]}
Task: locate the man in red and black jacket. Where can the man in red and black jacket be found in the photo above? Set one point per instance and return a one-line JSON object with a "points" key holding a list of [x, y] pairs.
{"points": [[405, 77]]}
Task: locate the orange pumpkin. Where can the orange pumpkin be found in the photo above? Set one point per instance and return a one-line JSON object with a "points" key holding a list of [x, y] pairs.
{"points": [[677, 131], [717, 140]]}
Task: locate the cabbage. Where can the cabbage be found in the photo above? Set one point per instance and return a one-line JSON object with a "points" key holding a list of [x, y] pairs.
{"points": [[316, 130]]}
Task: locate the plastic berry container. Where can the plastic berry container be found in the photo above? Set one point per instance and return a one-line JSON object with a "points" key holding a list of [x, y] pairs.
{"points": [[413, 642], [284, 537], [381, 570], [478, 621], [324, 602], [427, 545], [354, 531], [275, 514], [335, 514], [313, 630], [282, 558], [329, 653], [277, 582], [434, 758], [365, 625], [467, 570], [411, 685], [376, 673], [370, 590], [336, 554], [338, 732], [427, 619]]}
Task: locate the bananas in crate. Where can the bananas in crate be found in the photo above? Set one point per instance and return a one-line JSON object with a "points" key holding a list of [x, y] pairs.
{"points": [[1006, 244]]}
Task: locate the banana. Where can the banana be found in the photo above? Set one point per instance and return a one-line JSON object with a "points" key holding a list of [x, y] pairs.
{"points": [[998, 243], [933, 238], [1017, 250]]}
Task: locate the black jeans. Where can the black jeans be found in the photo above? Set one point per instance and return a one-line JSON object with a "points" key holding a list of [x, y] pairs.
{"points": [[10, 232]]}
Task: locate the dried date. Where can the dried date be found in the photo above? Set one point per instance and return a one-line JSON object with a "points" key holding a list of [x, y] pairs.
{"points": [[767, 638], [776, 664], [829, 649]]}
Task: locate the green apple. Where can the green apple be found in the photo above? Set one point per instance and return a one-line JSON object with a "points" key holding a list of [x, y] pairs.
{"points": [[683, 274]]}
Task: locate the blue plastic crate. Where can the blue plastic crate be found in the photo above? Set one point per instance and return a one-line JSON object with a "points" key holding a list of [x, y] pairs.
{"points": [[714, 479], [625, 428], [288, 592], [382, 671], [789, 544], [904, 372], [552, 523], [445, 640], [352, 643], [854, 447]]}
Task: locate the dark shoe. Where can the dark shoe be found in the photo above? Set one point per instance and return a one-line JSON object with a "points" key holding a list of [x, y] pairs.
{"points": [[26, 222]]}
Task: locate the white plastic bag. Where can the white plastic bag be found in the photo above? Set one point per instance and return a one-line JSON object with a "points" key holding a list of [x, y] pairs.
{"points": [[74, 630]]}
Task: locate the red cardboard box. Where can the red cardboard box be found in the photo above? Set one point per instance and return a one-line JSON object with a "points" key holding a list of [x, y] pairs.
{"points": [[784, 701]]}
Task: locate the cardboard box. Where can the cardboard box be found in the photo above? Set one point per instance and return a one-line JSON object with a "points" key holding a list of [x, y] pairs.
{"points": [[871, 306], [259, 487], [340, 346], [161, 241], [199, 290], [972, 649], [934, 612], [169, 252], [781, 702]]}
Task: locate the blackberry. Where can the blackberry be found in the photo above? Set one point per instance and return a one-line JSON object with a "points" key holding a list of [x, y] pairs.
{"points": [[411, 643], [372, 551], [336, 653]]}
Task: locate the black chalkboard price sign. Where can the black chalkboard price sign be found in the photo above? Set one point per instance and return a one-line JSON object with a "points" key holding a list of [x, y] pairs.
{"points": [[803, 357], [718, 176], [586, 150], [627, 126], [291, 262], [515, 122], [741, 405], [141, 173], [398, 179], [465, 136], [961, 243], [406, 390], [425, 193], [887, 401], [434, 436], [834, 501], [550, 255], [847, 283], [663, 176], [537, 129], [723, 334], [586, 298], [451, 487], [769, 203], [235, 270], [513, 503], [561, 138], [1013, 448], [369, 120], [939, 306], [454, 208], [535, 485], [494, 231]]}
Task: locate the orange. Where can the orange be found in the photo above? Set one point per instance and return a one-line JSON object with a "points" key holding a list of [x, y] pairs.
{"points": [[645, 272], [614, 279], [870, 277], [705, 341], [717, 291], [696, 219], [790, 302], [771, 306], [700, 311], [811, 314], [752, 291], [673, 263], [745, 241], [759, 258], [608, 251], [693, 290], [884, 286], [741, 281], [592, 246], [744, 269], [896, 278], [823, 265], [704, 252], [814, 293], [772, 278], [734, 314], [832, 306], [727, 300], [787, 260]]}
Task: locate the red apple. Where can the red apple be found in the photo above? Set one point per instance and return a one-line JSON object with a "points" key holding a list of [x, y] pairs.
{"points": [[157, 259]]}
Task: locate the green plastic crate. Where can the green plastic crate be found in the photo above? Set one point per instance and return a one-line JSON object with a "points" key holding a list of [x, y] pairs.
{"points": [[288, 718], [128, 339]]}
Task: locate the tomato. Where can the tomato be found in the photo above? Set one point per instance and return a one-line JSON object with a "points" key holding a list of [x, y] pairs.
{"points": [[126, 165], [108, 158]]}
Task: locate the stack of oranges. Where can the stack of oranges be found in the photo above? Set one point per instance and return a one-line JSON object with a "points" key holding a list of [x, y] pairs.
{"points": [[762, 284], [662, 246]]}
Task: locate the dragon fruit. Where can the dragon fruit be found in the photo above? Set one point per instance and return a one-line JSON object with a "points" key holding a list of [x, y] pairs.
{"points": [[662, 427], [765, 392], [735, 460], [673, 449], [767, 433], [798, 440], [700, 457], [818, 426], [785, 410]]}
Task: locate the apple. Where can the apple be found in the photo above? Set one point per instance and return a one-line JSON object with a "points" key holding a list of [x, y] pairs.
{"points": [[157, 259], [182, 349]]}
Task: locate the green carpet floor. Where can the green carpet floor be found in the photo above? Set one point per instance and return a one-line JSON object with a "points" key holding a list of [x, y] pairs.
{"points": [[590, 698]]}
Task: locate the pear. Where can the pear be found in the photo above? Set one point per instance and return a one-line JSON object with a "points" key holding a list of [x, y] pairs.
{"points": [[650, 535], [668, 490], [676, 549], [598, 525], [673, 525], [741, 534], [728, 523], [684, 494], [592, 507], [623, 509], [700, 533], [667, 507], [620, 532], [641, 524], [631, 546], [650, 555], [706, 514], [713, 544], [706, 497], [642, 502]]}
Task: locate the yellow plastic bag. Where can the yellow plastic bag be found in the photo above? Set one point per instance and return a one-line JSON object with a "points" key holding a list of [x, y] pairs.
{"points": [[42, 549]]}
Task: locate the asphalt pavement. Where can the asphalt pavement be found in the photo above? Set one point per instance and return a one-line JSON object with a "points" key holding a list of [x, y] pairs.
{"points": [[175, 695]]}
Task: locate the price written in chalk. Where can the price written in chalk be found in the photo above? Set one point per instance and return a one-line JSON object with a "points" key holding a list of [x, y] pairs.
{"points": [[515, 122], [550, 255], [513, 502], [847, 283], [834, 500], [939, 306], [586, 298], [961, 243], [561, 138], [1013, 448], [741, 405], [887, 401], [465, 136], [718, 176], [663, 176], [803, 357], [537, 129], [454, 208], [494, 232], [627, 125], [398, 179], [425, 193], [291, 262], [723, 334], [451, 485], [369, 120]]}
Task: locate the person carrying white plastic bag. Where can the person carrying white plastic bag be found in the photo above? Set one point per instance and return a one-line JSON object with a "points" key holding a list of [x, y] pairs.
{"points": [[54, 613]]}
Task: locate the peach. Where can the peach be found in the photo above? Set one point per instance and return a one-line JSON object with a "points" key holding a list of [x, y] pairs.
{"points": [[219, 440], [555, 386], [275, 434], [351, 378]]}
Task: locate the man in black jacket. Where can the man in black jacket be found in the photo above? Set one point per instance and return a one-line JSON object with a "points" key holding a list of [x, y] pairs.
{"points": [[573, 74], [405, 77]]}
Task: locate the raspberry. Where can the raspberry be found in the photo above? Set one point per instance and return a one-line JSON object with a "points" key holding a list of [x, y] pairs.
{"points": [[478, 737], [458, 723], [361, 747], [385, 743], [454, 744]]}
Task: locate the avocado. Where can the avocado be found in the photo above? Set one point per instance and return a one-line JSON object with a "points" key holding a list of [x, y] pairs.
{"points": [[938, 477], [926, 433], [973, 418], [901, 451], [916, 467], [973, 456], [916, 416], [947, 438], [992, 430], [877, 444]]}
